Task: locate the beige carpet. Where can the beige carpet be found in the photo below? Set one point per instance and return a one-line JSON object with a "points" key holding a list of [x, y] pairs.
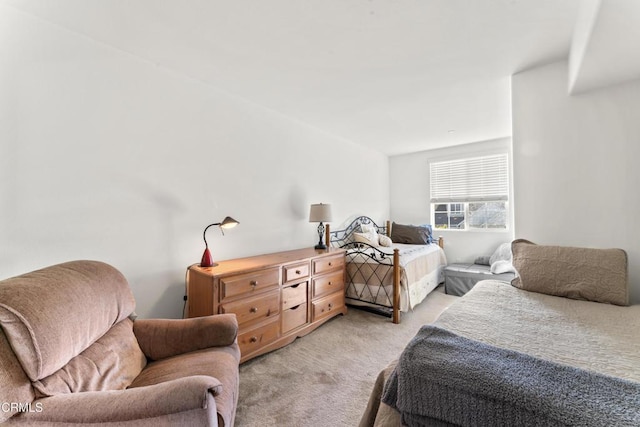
{"points": [[324, 378]]}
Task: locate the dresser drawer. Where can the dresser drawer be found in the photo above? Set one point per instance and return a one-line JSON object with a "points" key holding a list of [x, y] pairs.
{"points": [[294, 317], [247, 283], [326, 306], [294, 295], [327, 284], [254, 309], [253, 339], [296, 272], [327, 263]]}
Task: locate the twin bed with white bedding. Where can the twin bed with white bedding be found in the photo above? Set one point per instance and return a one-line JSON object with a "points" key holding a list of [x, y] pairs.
{"points": [[538, 355], [420, 273], [387, 279]]}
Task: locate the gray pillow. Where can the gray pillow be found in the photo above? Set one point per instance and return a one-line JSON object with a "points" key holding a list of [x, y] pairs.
{"points": [[409, 234]]}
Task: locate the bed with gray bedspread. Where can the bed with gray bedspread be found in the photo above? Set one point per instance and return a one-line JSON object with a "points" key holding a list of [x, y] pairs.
{"points": [[600, 341], [557, 346]]}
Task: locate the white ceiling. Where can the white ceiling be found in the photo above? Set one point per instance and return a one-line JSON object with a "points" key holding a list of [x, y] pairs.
{"points": [[395, 75]]}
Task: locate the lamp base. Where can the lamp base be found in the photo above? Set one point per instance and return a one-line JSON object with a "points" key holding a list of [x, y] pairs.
{"points": [[320, 244], [207, 259], [206, 266]]}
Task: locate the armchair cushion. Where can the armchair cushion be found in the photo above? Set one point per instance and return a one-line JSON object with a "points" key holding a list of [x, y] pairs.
{"points": [[111, 363], [162, 338], [183, 401]]}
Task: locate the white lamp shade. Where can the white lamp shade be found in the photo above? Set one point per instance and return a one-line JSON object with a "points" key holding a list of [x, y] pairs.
{"points": [[320, 213]]}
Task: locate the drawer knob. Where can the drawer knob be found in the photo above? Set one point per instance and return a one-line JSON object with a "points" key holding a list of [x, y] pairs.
{"points": [[298, 272], [253, 283], [253, 309], [329, 282], [330, 306], [330, 264], [253, 339]]}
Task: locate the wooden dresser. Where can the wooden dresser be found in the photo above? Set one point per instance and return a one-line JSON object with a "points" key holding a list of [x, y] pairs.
{"points": [[276, 297]]}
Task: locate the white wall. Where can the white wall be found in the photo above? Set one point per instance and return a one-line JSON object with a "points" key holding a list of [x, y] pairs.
{"points": [[106, 156], [604, 48], [576, 164], [410, 198]]}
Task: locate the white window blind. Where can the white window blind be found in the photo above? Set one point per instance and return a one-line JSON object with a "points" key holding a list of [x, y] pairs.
{"points": [[478, 179]]}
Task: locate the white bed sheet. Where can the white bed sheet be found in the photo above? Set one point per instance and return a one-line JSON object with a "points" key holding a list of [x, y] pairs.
{"points": [[598, 337], [407, 252]]}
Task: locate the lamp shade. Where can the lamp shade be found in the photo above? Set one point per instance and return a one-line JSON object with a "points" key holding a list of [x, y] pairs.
{"points": [[320, 212], [228, 222]]}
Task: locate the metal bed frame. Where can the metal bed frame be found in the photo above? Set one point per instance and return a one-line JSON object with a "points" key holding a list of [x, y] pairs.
{"points": [[362, 254]]}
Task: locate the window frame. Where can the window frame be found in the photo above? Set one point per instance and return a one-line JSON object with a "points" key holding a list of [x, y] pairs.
{"points": [[506, 196]]}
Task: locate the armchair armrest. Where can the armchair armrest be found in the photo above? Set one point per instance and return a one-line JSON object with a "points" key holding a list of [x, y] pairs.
{"points": [[162, 338], [183, 401]]}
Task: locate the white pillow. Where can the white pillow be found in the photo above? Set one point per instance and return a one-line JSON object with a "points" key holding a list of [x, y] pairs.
{"points": [[372, 233], [368, 228], [502, 266], [501, 259], [368, 238], [503, 253], [384, 240]]}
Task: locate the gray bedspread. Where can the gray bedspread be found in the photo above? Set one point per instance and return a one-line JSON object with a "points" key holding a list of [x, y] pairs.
{"points": [[443, 376]]}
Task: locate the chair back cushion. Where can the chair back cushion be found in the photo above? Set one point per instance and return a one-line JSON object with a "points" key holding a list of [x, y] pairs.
{"points": [[52, 315], [111, 363]]}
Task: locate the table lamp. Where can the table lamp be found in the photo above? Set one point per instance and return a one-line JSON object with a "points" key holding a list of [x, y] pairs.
{"points": [[207, 259], [320, 213]]}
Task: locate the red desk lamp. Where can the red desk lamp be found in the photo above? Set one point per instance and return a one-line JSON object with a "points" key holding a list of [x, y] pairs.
{"points": [[207, 259]]}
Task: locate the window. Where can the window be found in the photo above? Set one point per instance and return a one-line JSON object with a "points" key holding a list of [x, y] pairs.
{"points": [[470, 194]]}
